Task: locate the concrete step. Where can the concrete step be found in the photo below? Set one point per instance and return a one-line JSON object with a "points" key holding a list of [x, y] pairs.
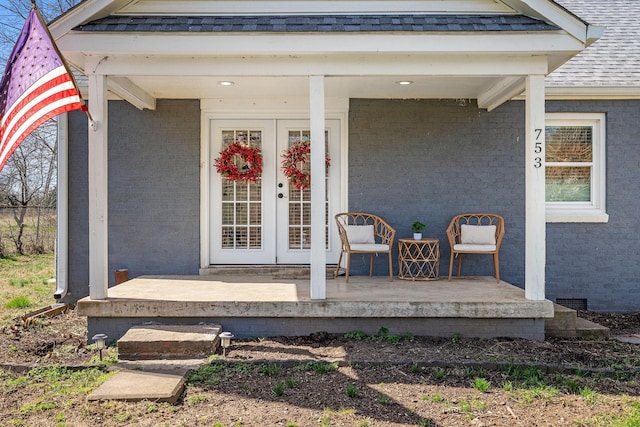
{"points": [[274, 271], [588, 330], [563, 323], [168, 342], [567, 324], [155, 359]]}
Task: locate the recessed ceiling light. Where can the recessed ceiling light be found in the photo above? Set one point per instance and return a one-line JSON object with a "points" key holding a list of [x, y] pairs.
{"points": [[404, 82], [226, 83]]}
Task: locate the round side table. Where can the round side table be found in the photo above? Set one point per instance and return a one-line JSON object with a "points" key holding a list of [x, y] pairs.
{"points": [[419, 259]]}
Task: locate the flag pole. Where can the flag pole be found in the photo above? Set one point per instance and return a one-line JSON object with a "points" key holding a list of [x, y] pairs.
{"points": [[64, 63]]}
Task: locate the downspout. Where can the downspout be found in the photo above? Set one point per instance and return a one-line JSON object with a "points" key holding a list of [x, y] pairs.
{"points": [[62, 210]]}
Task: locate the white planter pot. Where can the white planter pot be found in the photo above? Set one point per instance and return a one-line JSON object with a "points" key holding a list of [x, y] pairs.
{"points": [[417, 236]]}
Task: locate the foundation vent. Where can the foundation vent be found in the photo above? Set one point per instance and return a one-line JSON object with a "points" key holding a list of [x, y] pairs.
{"points": [[573, 303]]}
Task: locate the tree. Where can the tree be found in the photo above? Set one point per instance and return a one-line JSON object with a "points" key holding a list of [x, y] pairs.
{"points": [[28, 180], [13, 14]]}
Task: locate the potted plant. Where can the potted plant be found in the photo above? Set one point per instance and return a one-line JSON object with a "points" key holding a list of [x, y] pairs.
{"points": [[417, 227]]}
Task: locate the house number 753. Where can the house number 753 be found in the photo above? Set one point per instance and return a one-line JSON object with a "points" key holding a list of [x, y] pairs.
{"points": [[537, 149]]}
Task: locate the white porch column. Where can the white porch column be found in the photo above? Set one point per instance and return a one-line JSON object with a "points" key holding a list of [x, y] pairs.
{"points": [[535, 222], [318, 191], [98, 253]]}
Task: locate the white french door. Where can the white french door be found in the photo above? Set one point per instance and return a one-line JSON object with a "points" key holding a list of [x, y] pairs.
{"points": [[242, 222], [293, 206], [269, 221]]}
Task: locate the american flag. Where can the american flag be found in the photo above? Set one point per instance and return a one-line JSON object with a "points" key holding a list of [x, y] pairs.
{"points": [[36, 86]]}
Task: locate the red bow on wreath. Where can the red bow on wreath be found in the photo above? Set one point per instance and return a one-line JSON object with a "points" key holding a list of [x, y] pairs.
{"points": [[239, 162], [294, 164]]}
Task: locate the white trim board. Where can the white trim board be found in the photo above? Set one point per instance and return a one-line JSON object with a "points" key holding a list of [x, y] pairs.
{"points": [[190, 7]]}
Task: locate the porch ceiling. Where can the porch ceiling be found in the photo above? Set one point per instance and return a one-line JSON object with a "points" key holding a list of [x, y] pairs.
{"points": [[177, 87]]}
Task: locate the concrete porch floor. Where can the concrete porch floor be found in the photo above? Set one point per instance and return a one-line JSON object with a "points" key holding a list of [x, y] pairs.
{"points": [[254, 306]]}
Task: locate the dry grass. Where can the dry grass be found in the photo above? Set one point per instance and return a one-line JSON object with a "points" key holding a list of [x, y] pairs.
{"points": [[24, 284], [39, 232]]}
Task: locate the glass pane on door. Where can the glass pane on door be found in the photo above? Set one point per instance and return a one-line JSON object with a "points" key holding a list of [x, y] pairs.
{"points": [[242, 225], [299, 225]]}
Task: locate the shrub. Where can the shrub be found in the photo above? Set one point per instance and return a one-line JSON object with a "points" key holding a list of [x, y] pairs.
{"points": [[352, 391]]}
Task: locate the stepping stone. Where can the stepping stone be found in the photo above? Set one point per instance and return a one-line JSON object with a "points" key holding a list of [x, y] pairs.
{"points": [[629, 339], [134, 386], [154, 380]]}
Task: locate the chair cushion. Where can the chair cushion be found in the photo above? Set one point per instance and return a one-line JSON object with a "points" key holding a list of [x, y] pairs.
{"points": [[360, 234], [473, 248], [478, 234], [370, 247]]}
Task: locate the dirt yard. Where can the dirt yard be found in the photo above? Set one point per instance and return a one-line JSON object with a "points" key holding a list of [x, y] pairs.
{"points": [[328, 380]]}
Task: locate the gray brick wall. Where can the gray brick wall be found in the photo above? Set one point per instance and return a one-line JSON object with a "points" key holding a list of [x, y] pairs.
{"points": [[429, 160], [600, 262], [154, 192]]}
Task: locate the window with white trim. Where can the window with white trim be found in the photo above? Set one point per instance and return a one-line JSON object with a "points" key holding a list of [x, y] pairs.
{"points": [[575, 167]]}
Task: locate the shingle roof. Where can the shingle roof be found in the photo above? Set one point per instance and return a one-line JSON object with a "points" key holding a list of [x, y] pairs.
{"points": [[317, 23], [614, 60]]}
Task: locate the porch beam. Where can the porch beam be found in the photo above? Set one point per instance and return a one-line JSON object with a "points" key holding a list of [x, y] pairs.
{"points": [[501, 92], [535, 222], [133, 94], [97, 171], [345, 65], [318, 189]]}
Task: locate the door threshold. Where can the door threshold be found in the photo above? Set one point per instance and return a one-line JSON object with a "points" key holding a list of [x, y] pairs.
{"points": [[279, 271]]}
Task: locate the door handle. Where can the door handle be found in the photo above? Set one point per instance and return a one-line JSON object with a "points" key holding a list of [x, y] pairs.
{"points": [[281, 196]]}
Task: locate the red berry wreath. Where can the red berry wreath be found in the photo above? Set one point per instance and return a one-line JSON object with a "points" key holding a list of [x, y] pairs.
{"points": [[239, 162], [293, 164]]}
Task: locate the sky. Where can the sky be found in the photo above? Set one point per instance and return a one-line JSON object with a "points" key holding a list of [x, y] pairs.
{"points": [[11, 21]]}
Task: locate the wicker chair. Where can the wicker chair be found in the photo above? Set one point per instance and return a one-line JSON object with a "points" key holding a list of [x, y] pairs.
{"points": [[363, 233], [476, 233]]}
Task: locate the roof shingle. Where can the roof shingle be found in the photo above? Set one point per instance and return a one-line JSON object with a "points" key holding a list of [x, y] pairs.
{"points": [[613, 60], [316, 23]]}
